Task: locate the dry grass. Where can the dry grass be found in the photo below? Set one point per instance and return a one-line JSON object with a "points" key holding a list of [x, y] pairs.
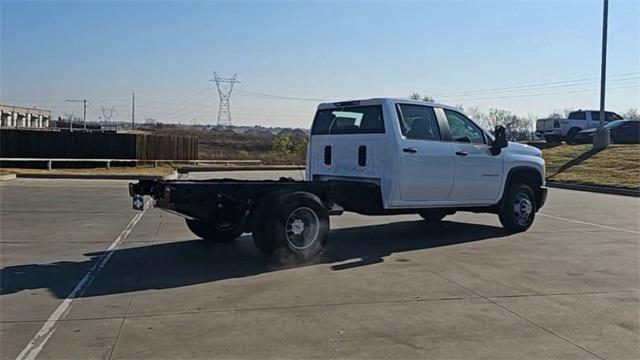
{"points": [[557, 156], [115, 170], [216, 144], [617, 166]]}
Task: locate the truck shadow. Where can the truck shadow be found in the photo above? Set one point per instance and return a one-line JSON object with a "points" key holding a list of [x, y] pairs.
{"points": [[189, 262], [575, 161], [543, 145]]}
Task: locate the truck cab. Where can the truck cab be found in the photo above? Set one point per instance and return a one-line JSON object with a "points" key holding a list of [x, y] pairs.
{"points": [[555, 130], [420, 154], [374, 157]]}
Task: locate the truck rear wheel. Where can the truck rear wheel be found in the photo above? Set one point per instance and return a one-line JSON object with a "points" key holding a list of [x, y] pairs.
{"points": [[222, 231], [571, 136], [292, 224], [518, 209]]}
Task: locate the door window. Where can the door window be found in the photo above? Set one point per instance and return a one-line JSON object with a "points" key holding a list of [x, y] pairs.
{"points": [[418, 122], [462, 129], [609, 116]]}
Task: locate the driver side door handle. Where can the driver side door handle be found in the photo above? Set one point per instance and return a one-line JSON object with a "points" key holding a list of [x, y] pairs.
{"points": [[461, 153], [410, 150]]}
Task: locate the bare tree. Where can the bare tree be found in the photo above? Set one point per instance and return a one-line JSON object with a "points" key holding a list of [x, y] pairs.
{"points": [[631, 114], [567, 111], [559, 114], [417, 96], [517, 128], [474, 113], [531, 119]]}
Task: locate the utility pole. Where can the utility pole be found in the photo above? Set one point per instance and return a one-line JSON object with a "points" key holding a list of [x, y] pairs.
{"points": [[84, 111], [69, 118], [133, 110], [225, 87], [601, 138]]}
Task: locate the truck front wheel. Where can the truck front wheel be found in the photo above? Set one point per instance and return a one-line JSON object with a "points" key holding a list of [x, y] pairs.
{"points": [[221, 231], [292, 224], [518, 209]]}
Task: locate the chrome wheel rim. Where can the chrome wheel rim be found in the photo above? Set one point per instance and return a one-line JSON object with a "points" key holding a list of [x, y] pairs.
{"points": [[522, 208], [302, 229]]}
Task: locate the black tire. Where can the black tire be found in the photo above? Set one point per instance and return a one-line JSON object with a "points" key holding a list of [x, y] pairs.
{"points": [[433, 215], [518, 209], [571, 136], [218, 232], [292, 224], [261, 219]]}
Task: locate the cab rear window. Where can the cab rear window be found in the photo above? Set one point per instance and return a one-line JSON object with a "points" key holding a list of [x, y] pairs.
{"points": [[349, 120], [577, 115]]}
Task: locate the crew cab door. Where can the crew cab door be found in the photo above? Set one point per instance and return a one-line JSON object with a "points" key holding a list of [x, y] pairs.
{"points": [[426, 161], [477, 173]]}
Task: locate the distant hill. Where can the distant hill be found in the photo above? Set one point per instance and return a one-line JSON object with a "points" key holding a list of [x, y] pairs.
{"points": [[273, 130], [294, 132]]}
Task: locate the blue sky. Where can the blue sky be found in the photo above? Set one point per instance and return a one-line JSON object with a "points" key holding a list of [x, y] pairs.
{"points": [[166, 52]]}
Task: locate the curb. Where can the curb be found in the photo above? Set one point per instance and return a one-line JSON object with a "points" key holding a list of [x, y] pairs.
{"points": [[96, 177], [592, 188], [7, 177], [184, 170]]}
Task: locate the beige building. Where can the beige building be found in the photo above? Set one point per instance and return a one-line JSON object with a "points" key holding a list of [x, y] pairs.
{"points": [[23, 117]]}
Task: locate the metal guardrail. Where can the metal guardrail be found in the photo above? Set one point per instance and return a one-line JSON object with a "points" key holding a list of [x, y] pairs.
{"points": [[108, 162]]}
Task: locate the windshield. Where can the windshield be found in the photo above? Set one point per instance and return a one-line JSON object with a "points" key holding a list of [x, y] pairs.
{"points": [[614, 124]]}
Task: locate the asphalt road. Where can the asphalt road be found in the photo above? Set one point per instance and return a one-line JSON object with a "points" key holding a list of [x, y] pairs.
{"points": [[83, 277]]}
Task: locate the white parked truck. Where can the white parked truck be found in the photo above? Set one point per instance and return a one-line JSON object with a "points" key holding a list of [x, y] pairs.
{"points": [[375, 157], [555, 130]]}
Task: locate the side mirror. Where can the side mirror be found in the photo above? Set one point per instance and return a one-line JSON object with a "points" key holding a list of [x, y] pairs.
{"points": [[500, 140]]}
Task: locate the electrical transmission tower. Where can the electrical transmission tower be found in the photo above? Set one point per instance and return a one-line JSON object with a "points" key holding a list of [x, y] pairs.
{"points": [[225, 87], [107, 113]]}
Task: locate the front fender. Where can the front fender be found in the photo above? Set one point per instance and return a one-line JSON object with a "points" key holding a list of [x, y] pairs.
{"points": [[522, 162]]}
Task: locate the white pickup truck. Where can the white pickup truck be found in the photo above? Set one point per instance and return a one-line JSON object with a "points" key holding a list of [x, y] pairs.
{"points": [[375, 157], [554, 130]]}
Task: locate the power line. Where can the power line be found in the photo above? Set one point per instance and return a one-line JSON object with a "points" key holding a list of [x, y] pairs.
{"points": [[546, 93], [180, 103], [575, 81], [534, 89], [273, 96], [179, 107]]}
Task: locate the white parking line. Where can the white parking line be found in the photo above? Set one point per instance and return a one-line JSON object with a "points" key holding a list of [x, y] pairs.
{"points": [[36, 344], [588, 223]]}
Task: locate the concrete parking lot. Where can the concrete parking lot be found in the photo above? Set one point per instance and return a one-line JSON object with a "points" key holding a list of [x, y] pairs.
{"points": [[84, 276]]}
